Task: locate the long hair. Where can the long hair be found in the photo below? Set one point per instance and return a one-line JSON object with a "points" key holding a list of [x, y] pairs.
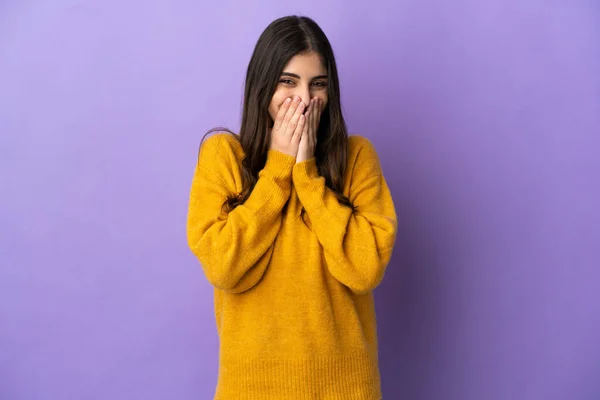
{"points": [[281, 40]]}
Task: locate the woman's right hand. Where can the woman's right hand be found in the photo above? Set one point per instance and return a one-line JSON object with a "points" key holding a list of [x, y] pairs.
{"points": [[288, 126]]}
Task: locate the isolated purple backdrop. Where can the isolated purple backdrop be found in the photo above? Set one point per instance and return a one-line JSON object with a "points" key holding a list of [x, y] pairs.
{"points": [[486, 116]]}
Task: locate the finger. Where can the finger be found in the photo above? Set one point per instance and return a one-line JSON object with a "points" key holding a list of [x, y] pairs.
{"points": [[315, 119], [307, 134], [281, 113], [309, 116], [293, 124], [300, 129], [291, 110]]}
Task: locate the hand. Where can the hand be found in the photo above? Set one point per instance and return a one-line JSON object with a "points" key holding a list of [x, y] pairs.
{"points": [[308, 142], [288, 127]]}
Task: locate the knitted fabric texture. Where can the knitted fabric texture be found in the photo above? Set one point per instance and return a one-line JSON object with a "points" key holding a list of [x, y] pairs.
{"points": [[293, 294]]}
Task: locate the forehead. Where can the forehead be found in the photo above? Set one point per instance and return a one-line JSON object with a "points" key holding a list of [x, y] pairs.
{"points": [[306, 65]]}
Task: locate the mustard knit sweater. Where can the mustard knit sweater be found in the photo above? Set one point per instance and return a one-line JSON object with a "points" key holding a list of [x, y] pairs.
{"points": [[293, 292]]}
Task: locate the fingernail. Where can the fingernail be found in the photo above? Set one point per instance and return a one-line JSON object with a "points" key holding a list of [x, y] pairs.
{"points": [[288, 100]]}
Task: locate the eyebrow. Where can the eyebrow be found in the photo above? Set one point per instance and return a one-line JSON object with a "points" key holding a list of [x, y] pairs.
{"points": [[298, 76]]}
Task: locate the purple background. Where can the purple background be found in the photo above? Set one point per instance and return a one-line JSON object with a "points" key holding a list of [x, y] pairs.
{"points": [[486, 116]]}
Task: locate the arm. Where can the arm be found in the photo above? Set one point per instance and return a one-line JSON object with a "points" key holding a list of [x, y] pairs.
{"points": [[235, 248], [357, 245]]}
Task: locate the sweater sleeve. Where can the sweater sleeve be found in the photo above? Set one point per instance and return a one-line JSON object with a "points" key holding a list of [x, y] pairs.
{"points": [[235, 248], [357, 244]]}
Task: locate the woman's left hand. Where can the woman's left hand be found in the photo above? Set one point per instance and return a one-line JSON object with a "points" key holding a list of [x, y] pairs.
{"points": [[308, 142]]}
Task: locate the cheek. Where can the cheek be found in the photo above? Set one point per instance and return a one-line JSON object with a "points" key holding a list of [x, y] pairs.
{"points": [[324, 102], [276, 102]]}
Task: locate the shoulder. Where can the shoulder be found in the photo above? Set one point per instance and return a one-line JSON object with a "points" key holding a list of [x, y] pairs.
{"points": [[363, 161], [220, 147], [221, 140], [361, 148]]}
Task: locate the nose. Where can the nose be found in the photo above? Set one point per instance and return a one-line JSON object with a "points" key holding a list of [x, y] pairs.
{"points": [[304, 94]]}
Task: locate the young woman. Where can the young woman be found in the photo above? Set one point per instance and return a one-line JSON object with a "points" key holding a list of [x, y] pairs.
{"points": [[293, 224]]}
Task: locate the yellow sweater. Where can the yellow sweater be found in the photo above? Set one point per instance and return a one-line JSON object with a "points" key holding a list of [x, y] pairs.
{"points": [[293, 297]]}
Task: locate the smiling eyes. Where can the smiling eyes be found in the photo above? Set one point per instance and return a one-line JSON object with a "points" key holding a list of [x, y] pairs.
{"points": [[320, 84]]}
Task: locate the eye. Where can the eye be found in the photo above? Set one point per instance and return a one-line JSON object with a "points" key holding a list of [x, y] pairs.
{"points": [[286, 81], [320, 84]]}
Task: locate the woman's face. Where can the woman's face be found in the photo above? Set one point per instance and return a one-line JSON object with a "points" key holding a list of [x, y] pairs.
{"points": [[304, 76]]}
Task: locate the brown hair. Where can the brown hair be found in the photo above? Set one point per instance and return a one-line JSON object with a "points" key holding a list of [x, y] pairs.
{"points": [[281, 40]]}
